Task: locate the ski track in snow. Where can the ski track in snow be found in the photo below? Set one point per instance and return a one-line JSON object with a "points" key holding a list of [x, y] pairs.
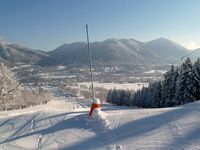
{"points": [[167, 148], [175, 126], [117, 120], [61, 124], [39, 142]]}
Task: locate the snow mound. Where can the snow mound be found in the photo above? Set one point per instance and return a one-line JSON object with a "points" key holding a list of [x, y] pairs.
{"points": [[99, 122]]}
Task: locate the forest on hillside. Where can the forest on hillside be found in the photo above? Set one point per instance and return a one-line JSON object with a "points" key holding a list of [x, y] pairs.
{"points": [[180, 85]]}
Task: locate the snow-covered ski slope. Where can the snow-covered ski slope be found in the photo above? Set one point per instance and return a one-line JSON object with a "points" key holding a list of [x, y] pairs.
{"points": [[62, 124]]}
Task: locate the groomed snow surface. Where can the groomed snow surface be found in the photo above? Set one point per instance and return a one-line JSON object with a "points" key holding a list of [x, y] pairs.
{"points": [[63, 124]]}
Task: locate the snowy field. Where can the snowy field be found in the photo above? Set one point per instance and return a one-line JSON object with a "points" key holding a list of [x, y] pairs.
{"points": [[155, 71], [62, 124], [123, 86]]}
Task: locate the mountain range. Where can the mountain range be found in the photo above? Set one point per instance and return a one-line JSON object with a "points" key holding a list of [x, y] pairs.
{"points": [[105, 53], [13, 53], [117, 52]]}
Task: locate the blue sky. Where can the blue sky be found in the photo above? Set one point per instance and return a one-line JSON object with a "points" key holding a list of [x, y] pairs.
{"points": [[46, 24]]}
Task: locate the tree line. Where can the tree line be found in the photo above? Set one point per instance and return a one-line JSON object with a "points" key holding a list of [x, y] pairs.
{"points": [[180, 85]]}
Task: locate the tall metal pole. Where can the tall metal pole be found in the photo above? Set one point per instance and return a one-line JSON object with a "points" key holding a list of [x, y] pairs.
{"points": [[90, 59]]}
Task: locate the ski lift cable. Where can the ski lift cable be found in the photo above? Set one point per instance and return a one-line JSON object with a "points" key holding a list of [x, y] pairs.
{"points": [[181, 58]]}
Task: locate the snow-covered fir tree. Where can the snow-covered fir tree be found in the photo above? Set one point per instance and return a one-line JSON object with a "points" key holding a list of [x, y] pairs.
{"points": [[184, 83], [169, 87], [128, 97], [196, 80], [179, 86], [158, 94]]}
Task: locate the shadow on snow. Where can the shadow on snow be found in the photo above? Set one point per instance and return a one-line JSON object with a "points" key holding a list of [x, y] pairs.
{"points": [[131, 129]]}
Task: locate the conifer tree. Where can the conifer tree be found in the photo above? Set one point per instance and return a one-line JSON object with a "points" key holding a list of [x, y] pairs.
{"points": [[196, 80], [180, 85], [184, 81], [108, 99], [158, 94], [169, 87], [128, 98]]}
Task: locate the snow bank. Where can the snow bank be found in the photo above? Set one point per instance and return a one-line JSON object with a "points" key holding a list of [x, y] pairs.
{"points": [[98, 121]]}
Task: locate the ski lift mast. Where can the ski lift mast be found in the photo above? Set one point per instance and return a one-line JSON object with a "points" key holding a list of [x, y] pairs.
{"points": [[90, 59]]}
